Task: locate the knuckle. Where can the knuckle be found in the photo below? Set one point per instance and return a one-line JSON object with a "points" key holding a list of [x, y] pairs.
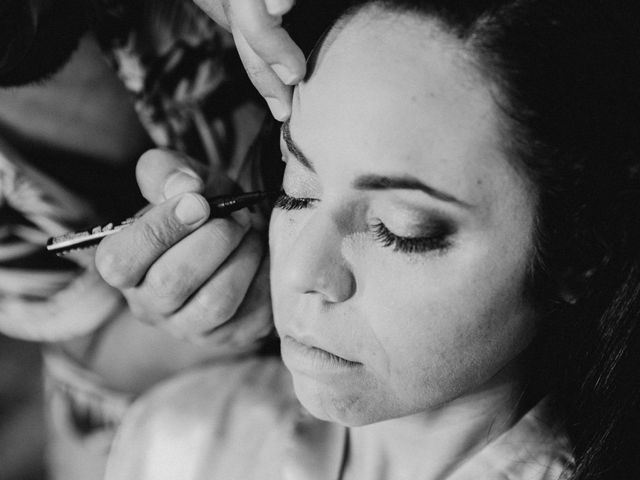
{"points": [[192, 325], [141, 310], [219, 336], [258, 71], [112, 269], [217, 305], [156, 237], [163, 289], [260, 326], [147, 161], [220, 313]]}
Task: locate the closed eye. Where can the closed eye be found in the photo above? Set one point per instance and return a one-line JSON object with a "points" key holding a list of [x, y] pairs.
{"points": [[437, 240]]}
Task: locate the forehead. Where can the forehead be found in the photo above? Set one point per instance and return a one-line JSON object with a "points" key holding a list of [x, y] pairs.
{"points": [[395, 92]]}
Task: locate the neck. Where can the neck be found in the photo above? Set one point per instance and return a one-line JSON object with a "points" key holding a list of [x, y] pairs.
{"points": [[433, 443]]}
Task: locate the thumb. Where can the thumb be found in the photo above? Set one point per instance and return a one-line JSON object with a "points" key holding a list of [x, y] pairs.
{"points": [[162, 174]]}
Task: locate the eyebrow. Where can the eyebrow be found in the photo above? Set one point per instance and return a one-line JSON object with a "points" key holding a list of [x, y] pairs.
{"points": [[375, 182], [383, 182], [294, 149]]}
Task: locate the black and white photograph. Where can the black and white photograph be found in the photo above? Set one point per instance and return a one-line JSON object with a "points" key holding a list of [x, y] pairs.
{"points": [[319, 240]]}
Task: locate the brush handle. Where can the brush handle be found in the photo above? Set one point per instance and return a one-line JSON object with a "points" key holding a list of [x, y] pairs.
{"points": [[221, 206]]}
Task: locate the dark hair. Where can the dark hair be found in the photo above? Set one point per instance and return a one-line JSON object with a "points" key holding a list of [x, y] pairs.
{"points": [[568, 84], [35, 41]]}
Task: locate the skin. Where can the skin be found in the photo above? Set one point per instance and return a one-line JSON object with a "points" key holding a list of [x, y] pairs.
{"points": [[131, 356], [232, 283], [222, 304], [436, 336], [222, 301], [272, 60]]}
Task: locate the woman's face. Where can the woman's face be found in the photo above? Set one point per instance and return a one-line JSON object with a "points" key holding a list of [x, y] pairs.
{"points": [[399, 262]]}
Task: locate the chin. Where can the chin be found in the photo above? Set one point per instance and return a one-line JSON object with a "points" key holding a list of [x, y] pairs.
{"points": [[348, 409]]}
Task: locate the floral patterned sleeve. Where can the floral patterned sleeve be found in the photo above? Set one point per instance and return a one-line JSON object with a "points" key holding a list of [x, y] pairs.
{"points": [[44, 298], [191, 94], [186, 79]]}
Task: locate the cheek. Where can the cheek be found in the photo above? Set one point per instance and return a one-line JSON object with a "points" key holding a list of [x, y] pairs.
{"points": [[284, 228], [441, 323], [277, 236], [283, 231], [280, 239]]}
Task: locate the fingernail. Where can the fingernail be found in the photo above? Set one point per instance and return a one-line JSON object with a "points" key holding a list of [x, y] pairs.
{"points": [[191, 209], [277, 7], [278, 110], [182, 181], [285, 74]]}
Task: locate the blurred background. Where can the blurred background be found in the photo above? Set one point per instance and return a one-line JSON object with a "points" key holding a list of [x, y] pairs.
{"points": [[21, 411]]}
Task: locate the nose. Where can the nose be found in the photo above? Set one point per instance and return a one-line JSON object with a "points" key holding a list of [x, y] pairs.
{"points": [[315, 265]]}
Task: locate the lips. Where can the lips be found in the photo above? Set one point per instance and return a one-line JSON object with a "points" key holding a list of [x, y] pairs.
{"points": [[312, 342], [308, 350]]}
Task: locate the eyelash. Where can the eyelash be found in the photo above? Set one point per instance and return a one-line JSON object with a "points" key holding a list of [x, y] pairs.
{"points": [[436, 241], [285, 202]]}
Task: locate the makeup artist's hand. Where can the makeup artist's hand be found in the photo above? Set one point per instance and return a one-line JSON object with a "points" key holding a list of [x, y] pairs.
{"points": [[272, 60], [205, 280]]}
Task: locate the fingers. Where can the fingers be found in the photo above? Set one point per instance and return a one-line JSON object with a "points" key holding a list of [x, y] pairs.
{"points": [[265, 35], [185, 267], [124, 258], [253, 319], [191, 278], [271, 58], [179, 269], [220, 298], [163, 174], [278, 7], [276, 94]]}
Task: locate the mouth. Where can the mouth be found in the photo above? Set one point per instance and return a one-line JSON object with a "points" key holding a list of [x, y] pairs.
{"points": [[298, 355]]}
